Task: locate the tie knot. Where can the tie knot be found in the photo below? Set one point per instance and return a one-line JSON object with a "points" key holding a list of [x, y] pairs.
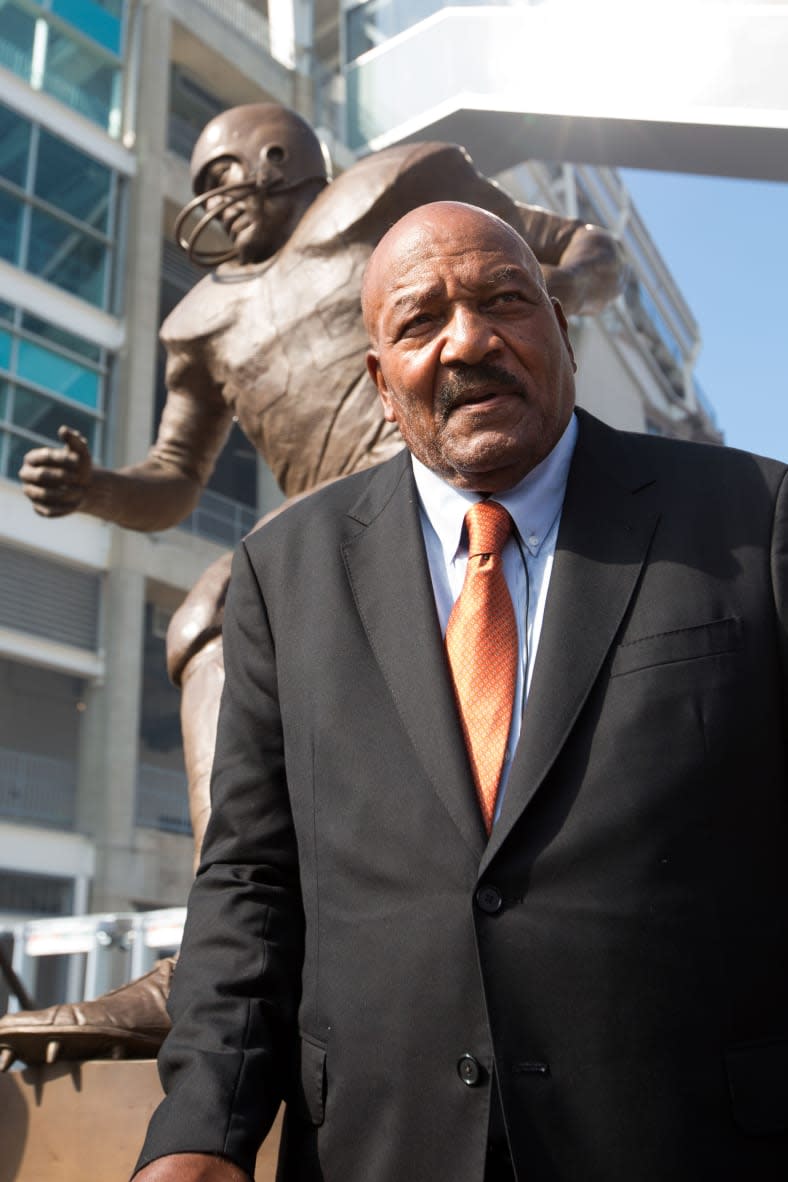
{"points": [[489, 526]]}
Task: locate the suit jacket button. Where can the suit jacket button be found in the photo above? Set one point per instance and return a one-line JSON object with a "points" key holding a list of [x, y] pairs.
{"points": [[489, 900], [469, 1070]]}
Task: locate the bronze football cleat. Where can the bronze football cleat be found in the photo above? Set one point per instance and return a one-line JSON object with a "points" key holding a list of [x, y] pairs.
{"points": [[129, 1023]]}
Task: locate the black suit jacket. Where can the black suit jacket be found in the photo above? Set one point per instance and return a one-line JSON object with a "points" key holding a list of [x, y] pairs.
{"points": [[617, 952]]}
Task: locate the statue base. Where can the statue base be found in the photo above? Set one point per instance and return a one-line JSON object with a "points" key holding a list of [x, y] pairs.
{"points": [[85, 1122]]}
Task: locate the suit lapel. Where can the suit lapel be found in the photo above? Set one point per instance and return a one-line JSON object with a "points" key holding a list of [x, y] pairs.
{"points": [[607, 523], [389, 575]]}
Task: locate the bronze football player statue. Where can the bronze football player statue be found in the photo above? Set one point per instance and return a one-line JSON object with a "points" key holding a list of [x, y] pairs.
{"points": [[274, 338]]}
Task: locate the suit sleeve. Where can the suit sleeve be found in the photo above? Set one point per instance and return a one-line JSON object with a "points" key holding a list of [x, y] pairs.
{"points": [[236, 986], [779, 560]]}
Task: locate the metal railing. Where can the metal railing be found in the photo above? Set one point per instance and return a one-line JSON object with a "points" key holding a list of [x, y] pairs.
{"points": [[38, 788], [103, 950], [220, 519], [246, 20], [16, 60], [704, 403], [162, 799], [181, 136]]}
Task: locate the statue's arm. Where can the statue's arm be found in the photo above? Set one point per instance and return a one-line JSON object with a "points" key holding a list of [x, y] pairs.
{"points": [[582, 264], [154, 494]]}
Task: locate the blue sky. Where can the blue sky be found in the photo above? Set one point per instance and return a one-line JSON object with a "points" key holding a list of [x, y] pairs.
{"points": [[726, 243]]}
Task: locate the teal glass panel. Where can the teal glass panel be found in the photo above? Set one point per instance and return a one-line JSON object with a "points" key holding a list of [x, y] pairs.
{"points": [[35, 412], [79, 77], [6, 311], [15, 452], [58, 373], [72, 181], [16, 449], [5, 349], [69, 259], [14, 145], [101, 21], [10, 227], [59, 336], [4, 389], [17, 29]]}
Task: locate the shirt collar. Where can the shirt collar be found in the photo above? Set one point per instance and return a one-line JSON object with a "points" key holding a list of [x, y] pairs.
{"points": [[534, 503]]}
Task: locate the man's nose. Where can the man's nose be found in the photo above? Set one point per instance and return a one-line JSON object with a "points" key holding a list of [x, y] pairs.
{"points": [[469, 337]]}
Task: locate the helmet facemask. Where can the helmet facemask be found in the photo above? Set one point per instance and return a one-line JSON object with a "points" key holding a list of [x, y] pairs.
{"points": [[284, 163]]}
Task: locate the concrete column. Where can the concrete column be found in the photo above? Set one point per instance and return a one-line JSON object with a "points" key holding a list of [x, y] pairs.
{"points": [[136, 392], [108, 757], [107, 789], [291, 30]]}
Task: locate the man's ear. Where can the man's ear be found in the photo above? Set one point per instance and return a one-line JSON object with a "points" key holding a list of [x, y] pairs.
{"points": [[376, 373], [564, 326]]}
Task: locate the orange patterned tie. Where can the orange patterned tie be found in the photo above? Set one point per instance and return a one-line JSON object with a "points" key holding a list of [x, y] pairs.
{"points": [[481, 644]]}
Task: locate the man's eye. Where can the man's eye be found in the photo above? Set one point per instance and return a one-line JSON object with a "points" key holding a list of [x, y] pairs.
{"points": [[415, 324], [505, 297]]}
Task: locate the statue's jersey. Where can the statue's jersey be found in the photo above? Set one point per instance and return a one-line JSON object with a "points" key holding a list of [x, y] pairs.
{"points": [[282, 343]]}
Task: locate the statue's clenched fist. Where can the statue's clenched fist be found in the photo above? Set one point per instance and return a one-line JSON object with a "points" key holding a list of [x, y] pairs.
{"points": [[57, 479]]}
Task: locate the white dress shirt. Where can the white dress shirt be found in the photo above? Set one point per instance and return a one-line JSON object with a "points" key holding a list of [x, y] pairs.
{"points": [[535, 507]]}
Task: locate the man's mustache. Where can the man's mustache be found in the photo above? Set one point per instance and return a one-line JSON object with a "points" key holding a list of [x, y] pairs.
{"points": [[468, 380]]}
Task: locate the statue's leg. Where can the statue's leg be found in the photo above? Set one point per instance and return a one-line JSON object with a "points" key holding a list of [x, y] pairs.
{"points": [[201, 690], [131, 1022], [195, 663]]}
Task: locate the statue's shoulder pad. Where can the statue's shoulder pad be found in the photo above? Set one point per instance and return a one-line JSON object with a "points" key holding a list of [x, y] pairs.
{"points": [[207, 308], [353, 196]]}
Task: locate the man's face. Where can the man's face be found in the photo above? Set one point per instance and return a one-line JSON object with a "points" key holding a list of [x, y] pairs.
{"points": [[257, 224], [471, 358]]}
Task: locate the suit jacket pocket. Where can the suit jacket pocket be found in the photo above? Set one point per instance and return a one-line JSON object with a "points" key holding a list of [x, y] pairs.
{"points": [[313, 1079], [758, 1082], [681, 644]]}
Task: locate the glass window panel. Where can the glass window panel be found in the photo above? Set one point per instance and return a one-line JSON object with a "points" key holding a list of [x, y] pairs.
{"points": [[59, 336], [235, 474], [6, 311], [36, 412], [17, 29], [10, 227], [15, 452], [79, 77], [67, 258], [190, 101], [373, 22], [103, 21], [191, 107], [36, 894], [14, 144], [72, 181], [5, 349], [4, 388], [58, 373]]}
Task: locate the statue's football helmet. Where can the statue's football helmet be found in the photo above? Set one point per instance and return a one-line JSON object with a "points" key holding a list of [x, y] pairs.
{"points": [[278, 152]]}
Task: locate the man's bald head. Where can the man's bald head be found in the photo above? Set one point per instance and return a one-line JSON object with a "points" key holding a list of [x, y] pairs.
{"points": [[427, 224]]}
